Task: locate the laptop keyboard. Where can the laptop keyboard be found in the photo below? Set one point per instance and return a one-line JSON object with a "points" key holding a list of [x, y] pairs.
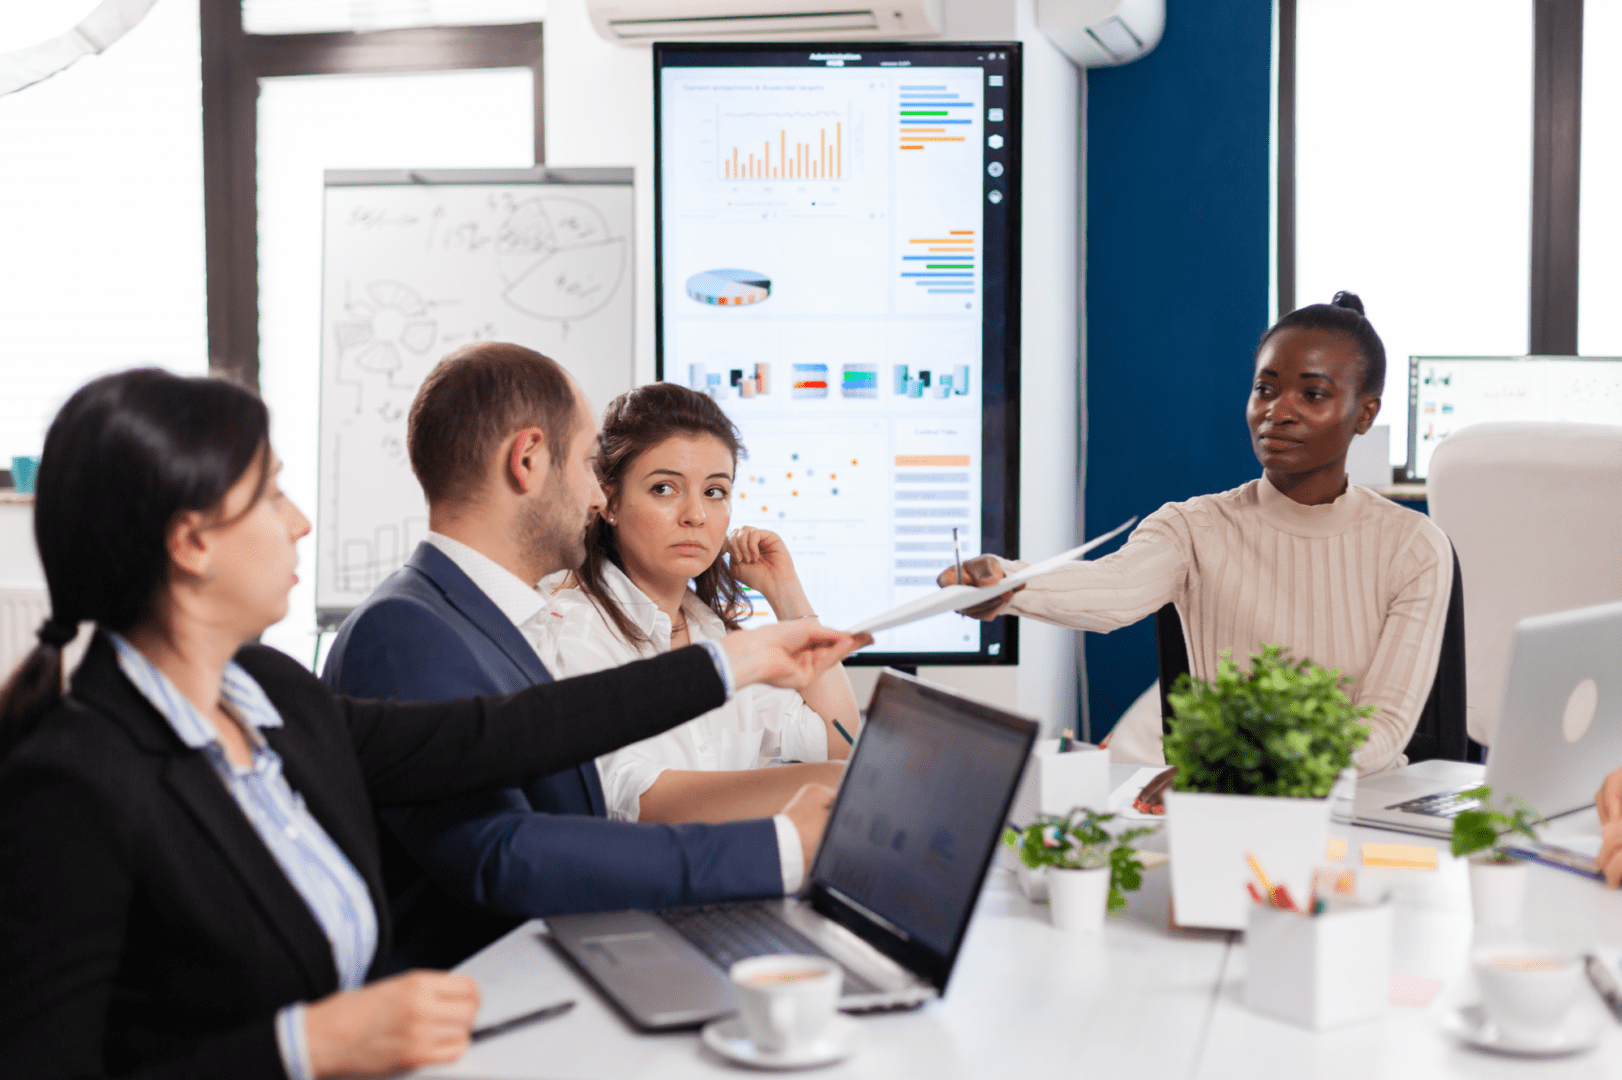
{"points": [[727, 933], [1443, 804]]}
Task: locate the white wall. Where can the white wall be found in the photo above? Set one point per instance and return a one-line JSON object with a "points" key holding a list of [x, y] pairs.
{"points": [[599, 111]]}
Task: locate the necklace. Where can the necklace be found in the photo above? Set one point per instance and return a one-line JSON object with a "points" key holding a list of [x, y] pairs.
{"points": [[680, 628]]}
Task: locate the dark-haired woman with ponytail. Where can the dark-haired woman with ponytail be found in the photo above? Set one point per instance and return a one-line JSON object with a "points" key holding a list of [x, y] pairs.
{"points": [[190, 881], [1300, 557]]}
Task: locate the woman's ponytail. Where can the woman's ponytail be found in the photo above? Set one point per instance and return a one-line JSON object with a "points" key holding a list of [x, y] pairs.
{"points": [[35, 686]]}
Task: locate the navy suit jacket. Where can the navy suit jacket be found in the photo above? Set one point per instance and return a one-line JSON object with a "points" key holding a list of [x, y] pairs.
{"points": [[428, 633]]}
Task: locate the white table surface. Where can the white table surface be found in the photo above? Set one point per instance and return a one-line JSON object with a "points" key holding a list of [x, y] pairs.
{"points": [[1028, 1001]]}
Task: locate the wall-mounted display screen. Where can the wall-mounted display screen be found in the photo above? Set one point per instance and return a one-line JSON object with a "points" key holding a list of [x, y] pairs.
{"points": [[838, 265], [1446, 393]]}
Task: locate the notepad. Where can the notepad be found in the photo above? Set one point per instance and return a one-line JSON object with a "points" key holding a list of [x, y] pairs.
{"points": [[1400, 856]]}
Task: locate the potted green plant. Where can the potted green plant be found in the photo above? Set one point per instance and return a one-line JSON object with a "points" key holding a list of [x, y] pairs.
{"points": [[1257, 754], [1497, 878], [1088, 868]]}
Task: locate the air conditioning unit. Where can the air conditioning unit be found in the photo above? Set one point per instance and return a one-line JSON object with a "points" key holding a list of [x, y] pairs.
{"points": [[634, 21], [1102, 33]]}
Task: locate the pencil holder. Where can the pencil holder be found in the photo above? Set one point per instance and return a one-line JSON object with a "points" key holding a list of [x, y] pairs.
{"points": [[1056, 783], [1320, 972]]}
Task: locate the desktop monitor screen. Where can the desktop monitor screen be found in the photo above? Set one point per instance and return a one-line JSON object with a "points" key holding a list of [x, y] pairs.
{"points": [[1446, 393], [837, 254]]}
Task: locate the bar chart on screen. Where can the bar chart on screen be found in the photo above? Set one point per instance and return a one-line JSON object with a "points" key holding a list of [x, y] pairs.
{"points": [[942, 264], [930, 114], [784, 145]]}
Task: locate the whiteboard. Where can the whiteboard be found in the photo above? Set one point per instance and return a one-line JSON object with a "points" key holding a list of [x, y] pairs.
{"points": [[415, 264]]}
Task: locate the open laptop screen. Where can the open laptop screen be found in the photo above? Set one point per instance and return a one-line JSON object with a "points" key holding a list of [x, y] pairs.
{"points": [[920, 811]]}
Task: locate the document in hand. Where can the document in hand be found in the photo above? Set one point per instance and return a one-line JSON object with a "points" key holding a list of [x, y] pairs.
{"points": [[958, 597]]}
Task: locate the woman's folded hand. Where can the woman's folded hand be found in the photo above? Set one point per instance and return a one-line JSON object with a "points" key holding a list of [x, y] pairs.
{"points": [[790, 655]]}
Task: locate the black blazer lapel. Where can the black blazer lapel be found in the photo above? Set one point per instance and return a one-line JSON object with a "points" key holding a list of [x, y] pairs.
{"points": [[217, 814], [101, 684]]}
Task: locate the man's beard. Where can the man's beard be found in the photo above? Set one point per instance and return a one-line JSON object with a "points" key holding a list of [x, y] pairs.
{"points": [[551, 535]]}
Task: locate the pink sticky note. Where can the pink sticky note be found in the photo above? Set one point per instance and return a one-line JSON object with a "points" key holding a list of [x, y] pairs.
{"points": [[1413, 992]]}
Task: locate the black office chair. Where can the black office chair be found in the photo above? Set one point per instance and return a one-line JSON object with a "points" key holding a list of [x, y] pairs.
{"points": [[1441, 732]]}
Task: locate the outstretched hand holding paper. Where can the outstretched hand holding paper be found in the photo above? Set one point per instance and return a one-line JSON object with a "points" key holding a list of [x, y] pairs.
{"points": [[958, 597]]}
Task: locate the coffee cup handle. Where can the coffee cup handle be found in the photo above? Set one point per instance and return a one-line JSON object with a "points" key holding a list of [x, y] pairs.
{"points": [[782, 1012]]}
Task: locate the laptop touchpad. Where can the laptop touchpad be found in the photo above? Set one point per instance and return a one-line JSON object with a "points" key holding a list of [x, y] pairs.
{"points": [[633, 950]]}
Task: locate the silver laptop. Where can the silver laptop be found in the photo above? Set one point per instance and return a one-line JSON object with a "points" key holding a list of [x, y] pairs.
{"points": [[888, 896], [1559, 732]]}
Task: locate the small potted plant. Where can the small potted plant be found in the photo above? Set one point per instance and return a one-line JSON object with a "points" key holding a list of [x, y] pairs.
{"points": [[1497, 878], [1088, 869], [1257, 754]]}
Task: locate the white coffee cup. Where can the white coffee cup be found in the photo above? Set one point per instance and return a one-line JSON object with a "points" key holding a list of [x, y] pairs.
{"points": [[786, 1001], [1528, 991]]}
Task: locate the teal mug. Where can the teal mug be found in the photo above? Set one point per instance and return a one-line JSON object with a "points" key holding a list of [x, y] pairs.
{"points": [[24, 471]]}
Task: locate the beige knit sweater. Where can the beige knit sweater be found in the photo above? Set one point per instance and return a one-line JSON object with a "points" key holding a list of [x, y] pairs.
{"points": [[1360, 584]]}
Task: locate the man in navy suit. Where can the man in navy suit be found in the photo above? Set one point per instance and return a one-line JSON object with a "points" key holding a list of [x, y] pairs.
{"points": [[501, 441]]}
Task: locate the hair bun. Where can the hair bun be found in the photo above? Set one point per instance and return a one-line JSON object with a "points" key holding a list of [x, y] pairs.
{"points": [[1348, 300]]}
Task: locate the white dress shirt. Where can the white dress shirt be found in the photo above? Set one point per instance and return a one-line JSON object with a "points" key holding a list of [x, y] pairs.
{"points": [[538, 615]]}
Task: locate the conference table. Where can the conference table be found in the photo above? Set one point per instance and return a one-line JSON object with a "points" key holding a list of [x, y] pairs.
{"points": [[1138, 998]]}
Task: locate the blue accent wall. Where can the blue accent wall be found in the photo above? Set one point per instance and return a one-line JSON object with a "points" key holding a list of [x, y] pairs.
{"points": [[1177, 285]]}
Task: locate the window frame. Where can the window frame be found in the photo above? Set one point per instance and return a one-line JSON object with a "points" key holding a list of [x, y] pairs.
{"points": [[233, 62]]}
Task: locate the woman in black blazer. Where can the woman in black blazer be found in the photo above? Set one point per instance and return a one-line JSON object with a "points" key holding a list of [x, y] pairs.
{"points": [[146, 927]]}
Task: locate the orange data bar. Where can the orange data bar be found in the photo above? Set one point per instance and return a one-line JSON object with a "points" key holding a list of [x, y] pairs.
{"points": [[952, 249], [934, 241], [935, 138], [906, 147], [930, 460], [923, 131], [961, 232]]}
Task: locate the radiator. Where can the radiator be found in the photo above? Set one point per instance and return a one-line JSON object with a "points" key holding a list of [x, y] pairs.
{"points": [[22, 609]]}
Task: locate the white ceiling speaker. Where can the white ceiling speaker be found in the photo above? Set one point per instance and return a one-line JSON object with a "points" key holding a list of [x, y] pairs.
{"points": [[635, 21]]}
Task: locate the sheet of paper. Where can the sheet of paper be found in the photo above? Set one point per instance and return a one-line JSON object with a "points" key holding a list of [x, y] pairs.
{"points": [[958, 597]]}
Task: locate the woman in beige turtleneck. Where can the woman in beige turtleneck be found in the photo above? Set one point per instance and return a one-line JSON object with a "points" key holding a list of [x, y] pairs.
{"points": [[1299, 558]]}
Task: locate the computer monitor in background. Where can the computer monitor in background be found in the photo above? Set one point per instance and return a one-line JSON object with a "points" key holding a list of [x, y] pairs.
{"points": [[1446, 393], [837, 253]]}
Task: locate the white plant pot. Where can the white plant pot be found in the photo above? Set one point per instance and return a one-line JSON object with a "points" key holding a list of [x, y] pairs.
{"points": [[1498, 893], [1077, 898], [1208, 837]]}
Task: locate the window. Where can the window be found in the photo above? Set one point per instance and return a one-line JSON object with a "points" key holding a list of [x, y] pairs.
{"points": [[1413, 174], [103, 196], [310, 123]]}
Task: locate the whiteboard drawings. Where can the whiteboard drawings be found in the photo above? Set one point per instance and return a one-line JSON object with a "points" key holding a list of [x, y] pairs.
{"points": [[411, 272], [559, 259]]}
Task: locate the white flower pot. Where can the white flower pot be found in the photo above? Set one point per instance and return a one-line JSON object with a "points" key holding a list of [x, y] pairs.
{"points": [[1077, 898], [1498, 893], [1208, 837]]}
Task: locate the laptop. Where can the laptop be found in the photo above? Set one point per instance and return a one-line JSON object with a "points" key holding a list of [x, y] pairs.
{"points": [[1559, 732], [889, 895]]}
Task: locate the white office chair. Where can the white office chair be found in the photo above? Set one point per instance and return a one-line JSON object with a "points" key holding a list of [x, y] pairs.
{"points": [[1535, 512]]}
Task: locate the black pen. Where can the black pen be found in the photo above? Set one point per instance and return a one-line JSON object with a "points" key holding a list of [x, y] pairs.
{"points": [[490, 1031], [841, 729], [1604, 985]]}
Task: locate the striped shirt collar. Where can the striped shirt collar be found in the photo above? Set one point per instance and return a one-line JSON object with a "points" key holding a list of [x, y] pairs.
{"points": [[238, 693]]}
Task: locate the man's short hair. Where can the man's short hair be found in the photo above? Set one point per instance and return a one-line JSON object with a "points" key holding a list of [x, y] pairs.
{"points": [[473, 400]]}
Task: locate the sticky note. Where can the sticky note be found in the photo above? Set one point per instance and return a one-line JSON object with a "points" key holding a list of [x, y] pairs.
{"points": [[1335, 849], [1400, 856], [1412, 991]]}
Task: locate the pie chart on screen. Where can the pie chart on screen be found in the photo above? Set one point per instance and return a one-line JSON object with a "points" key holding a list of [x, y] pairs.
{"points": [[729, 288]]}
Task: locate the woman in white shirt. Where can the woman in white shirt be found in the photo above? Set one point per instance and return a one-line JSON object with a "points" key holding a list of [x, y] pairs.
{"points": [[655, 579]]}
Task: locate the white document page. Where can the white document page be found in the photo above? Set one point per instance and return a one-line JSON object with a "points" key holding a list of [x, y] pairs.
{"points": [[958, 597]]}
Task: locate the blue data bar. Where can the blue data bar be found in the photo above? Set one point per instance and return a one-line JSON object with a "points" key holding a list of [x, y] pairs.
{"points": [[939, 273]]}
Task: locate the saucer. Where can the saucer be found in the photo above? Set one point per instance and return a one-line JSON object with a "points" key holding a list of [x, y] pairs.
{"points": [[729, 1038], [1580, 1031]]}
